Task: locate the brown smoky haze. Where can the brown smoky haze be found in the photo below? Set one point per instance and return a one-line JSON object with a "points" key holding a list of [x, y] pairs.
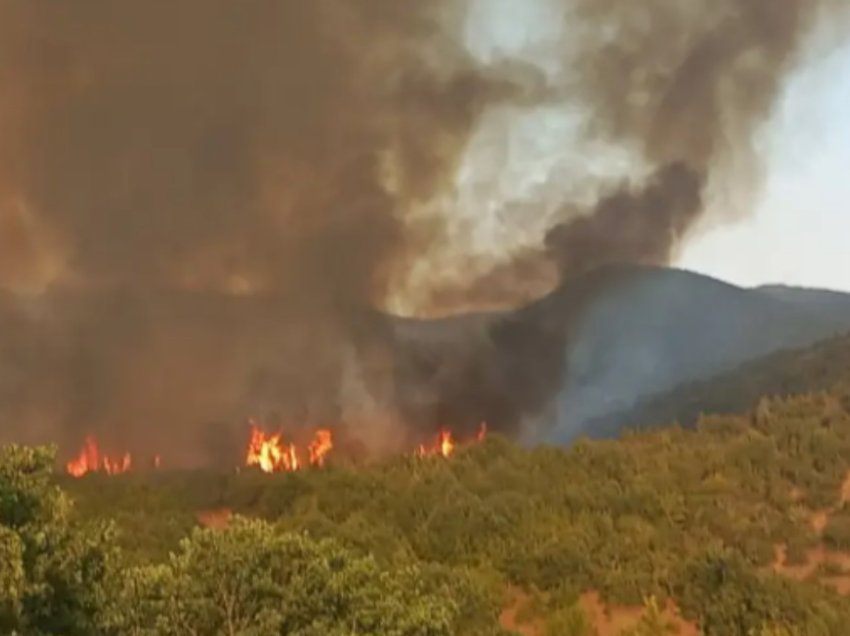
{"points": [[205, 205]]}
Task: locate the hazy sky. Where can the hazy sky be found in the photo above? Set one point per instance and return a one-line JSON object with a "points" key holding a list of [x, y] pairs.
{"points": [[798, 230]]}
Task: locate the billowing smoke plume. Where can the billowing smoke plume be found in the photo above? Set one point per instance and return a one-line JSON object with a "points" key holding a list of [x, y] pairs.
{"points": [[161, 161], [684, 89], [200, 199], [630, 227], [687, 86]]}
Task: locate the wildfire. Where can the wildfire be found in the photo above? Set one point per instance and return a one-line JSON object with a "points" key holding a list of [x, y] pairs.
{"points": [[270, 454], [320, 447], [91, 460], [266, 451], [445, 444]]}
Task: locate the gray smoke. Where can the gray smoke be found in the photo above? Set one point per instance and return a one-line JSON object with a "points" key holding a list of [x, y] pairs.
{"points": [[199, 199]]}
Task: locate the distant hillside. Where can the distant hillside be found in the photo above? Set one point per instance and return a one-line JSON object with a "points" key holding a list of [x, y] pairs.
{"points": [[599, 343], [814, 368], [832, 302], [651, 329]]}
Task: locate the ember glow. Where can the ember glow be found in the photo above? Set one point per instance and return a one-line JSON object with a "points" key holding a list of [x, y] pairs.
{"points": [[91, 460], [271, 454]]}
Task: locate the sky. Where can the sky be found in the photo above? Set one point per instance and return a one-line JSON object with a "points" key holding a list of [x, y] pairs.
{"points": [[799, 232], [795, 231]]}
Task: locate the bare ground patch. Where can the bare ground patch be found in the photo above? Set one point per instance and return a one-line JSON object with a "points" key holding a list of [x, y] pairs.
{"points": [[613, 620], [510, 618], [218, 518], [821, 557]]}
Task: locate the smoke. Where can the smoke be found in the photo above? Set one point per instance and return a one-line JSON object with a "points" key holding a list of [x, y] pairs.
{"points": [[684, 90], [199, 199], [215, 146], [268, 149], [630, 227]]}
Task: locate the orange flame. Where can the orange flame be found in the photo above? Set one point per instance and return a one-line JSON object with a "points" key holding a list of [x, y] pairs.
{"points": [[445, 444], [320, 447], [90, 460], [269, 453], [87, 461]]}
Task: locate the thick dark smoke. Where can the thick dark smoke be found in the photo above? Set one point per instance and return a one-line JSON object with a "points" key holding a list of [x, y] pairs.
{"points": [[630, 227], [685, 87], [164, 163], [213, 145], [688, 85], [200, 199]]}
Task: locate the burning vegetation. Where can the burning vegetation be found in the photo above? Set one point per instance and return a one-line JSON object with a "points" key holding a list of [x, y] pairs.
{"points": [[268, 452], [445, 444], [92, 460], [271, 454], [234, 220]]}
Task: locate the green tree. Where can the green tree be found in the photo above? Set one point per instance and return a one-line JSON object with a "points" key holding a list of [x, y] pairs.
{"points": [[52, 572], [253, 580], [12, 579]]}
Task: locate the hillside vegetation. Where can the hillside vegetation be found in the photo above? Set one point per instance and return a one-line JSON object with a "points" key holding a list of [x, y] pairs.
{"points": [[787, 372], [737, 527]]}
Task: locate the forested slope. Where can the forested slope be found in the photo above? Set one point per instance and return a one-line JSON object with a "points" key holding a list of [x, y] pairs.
{"points": [[784, 373], [737, 525]]}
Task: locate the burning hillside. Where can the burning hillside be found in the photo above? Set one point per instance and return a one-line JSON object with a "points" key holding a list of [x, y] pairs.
{"points": [[267, 452], [217, 226]]}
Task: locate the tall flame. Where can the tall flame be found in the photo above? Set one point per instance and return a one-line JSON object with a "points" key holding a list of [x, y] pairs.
{"points": [[90, 460], [447, 443], [270, 454], [87, 461], [320, 447]]}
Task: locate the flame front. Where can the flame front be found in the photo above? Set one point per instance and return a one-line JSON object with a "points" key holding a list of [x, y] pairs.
{"points": [[270, 454], [90, 460]]}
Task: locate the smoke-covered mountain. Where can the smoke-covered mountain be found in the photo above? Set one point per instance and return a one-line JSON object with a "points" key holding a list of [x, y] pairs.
{"points": [[598, 344], [155, 369], [822, 300], [656, 329]]}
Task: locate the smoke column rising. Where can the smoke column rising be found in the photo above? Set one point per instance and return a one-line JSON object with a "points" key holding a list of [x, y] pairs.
{"points": [[198, 200], [683, 89], [261, 148]]}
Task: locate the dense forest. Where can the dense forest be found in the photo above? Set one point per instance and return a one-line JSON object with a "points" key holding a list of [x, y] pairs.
{"points": [[735, 527]]}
